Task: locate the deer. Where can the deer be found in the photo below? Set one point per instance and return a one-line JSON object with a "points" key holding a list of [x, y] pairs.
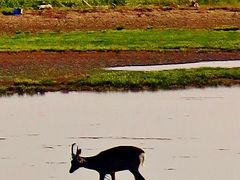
{"points": [[112, 160]]}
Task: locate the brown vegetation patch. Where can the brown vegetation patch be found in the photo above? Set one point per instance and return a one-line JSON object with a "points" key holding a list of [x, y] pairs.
{"points": [[128, 18], [73, 62]]}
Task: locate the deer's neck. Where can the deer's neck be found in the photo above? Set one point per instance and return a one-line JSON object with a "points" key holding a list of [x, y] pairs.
{"points": [[91, 163]]}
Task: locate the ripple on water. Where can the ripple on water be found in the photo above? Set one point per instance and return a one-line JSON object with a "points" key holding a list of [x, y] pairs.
{"points": [[4, 158], [56, 163], [121, 137], [201, 98], [33, 134]]}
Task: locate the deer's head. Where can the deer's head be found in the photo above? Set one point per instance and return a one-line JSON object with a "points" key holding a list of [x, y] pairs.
{"points": [[77, 160]]}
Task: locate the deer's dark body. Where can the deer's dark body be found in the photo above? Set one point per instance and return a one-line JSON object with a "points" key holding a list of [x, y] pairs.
{"points": [[112, 160]]}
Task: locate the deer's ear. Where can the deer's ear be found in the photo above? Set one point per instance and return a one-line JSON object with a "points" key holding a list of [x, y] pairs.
{"points": [[79, 151], [81, 160]]}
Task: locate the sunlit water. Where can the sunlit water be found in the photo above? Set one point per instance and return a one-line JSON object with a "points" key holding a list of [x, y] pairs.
{"points": [[186, 134], [221, 64]]}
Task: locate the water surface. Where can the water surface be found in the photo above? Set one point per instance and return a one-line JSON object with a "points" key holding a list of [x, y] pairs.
{"points": [[186, 134], [222, 64]]}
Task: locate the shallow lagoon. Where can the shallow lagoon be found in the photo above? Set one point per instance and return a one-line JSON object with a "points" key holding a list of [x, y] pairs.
{"points": [[186, 134]]}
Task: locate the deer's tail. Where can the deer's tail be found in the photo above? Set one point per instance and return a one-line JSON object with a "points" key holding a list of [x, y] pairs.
{"points": [[142, 158]]}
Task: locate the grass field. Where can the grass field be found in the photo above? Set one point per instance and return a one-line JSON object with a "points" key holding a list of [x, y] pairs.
{"points": [[82, 3], [123, 40]]}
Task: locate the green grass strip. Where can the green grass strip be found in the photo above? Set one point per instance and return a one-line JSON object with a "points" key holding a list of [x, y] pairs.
{"points": [[123, 40], [128, 81], [168, 79]]}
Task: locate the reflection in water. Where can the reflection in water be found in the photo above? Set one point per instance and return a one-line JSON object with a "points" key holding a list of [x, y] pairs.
{"points": [[186, 134]]}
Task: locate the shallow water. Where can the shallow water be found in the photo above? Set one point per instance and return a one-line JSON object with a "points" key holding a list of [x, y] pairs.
{"points": [[222, 64], [186, 134]]}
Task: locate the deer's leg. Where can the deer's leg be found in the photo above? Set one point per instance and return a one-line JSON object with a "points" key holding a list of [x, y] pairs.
{"points": [[113, 175], [102, 176], [137, 174]]}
